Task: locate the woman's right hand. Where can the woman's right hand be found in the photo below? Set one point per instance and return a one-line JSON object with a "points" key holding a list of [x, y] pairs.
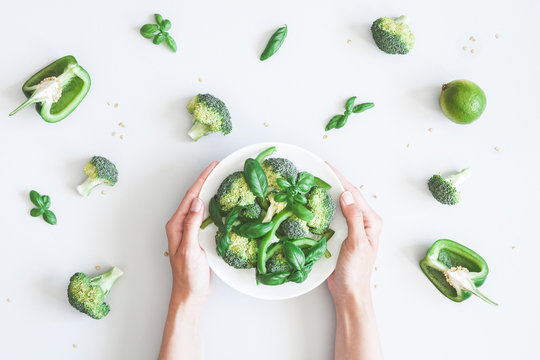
{"points": [[352, 277]]}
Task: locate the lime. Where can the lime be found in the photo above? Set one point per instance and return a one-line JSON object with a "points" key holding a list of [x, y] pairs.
{"points": [[462, 101]]}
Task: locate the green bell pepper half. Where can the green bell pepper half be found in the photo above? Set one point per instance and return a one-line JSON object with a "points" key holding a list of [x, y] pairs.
{"points": [[455, 270], [56, 89]]}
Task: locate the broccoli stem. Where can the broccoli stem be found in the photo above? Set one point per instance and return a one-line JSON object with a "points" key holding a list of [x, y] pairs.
{"points": [[88, 185], [271, 238], [458, 179], [106, 280], [198, 130]]}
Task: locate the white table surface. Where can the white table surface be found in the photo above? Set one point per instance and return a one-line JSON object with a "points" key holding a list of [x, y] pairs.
{"points": [[295, 92]]}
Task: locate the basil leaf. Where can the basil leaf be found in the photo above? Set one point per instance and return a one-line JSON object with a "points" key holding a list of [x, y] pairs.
{"points": [[158, 18], [46, 201], [170, 42], [232, 216], [158, 39], [301, 199], [35, 212], [215, 213], [280, 197], [165, 25], [321, 183], [49, 217], [274, 43], [300, 276], [36, 199], [264, 154], [333, 122], [316, 251], [149, 30], [223, 243], [282, 183], [305, 178], [362, 107], [256, 178], [275, 278], [302, 212], [341, 123], [254, 230], [294, 255], [349, 105]]}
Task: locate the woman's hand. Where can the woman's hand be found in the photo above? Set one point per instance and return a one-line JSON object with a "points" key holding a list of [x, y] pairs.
{"points": [[192, 278], [352, 276]]}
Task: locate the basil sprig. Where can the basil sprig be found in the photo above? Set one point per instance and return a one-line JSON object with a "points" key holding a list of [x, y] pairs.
{"points": [[339, 121], [43, 203], [224, 241], [256, 178], [275, 42], [293, 193], [254, 230], [159, 32]]}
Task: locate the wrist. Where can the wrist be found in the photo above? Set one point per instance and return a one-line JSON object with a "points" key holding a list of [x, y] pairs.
{"points": [[186, 305], [360, 300]]}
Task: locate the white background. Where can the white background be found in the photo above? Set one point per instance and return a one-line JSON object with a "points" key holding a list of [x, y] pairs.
{"points": [[296, 92]]}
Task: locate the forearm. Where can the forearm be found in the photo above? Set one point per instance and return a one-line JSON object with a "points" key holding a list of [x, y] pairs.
{"points": [[182, 336], [357, 337]]}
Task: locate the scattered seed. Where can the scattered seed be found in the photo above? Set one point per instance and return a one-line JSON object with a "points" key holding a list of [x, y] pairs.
{"points": [[266, 124], [472, 38], [430, 129], [497, 148], [325, 137], [472, 51], [374, 196], [98, 267], [103, 192], [349, 41], [165, 253], [121, 137], [8, 299], [75, 346], [376, 268], [513, 248], [108, 103], [200, 80], [121, 124], [113, 133], [497, 36], [408, 145], [116, 106], [464, 47], [376, 286], [361, 187]]}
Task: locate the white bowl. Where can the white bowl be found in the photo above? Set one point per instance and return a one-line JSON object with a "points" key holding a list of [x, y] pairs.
{"points": [[244, 280]]}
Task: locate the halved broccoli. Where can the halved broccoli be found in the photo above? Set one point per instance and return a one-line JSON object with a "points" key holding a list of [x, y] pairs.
{"points": [[88, 294], [294, 228], [99, 171], [393, 36], [278, 262], [323, 207], [209, 115], [274, 207], [242, 253], [278, 167], [446, 190], [233, 192]]}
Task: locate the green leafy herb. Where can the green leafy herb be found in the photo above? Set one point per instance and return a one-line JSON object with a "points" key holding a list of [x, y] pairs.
{"points": [[294, 255], [215, 212], [158, 32], [301, 275], [321, 183], [43, 203], [223, 243], [254, 230], [256, 178], [275, 278], [316, 251], [302, 212], [339, 121], [275, 42]]}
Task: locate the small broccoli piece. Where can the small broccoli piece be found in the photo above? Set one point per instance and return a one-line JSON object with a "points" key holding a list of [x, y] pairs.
{"points": [[99, 171], [323, 207], [278, 262], [88, 294], [209, 115], [393, 36], [242, 253], [278, 167], [274, 207], [294, 228], [446, 190], [234, 191]]}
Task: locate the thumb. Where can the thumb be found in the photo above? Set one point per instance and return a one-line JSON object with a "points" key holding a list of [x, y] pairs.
{"points": [[353, 215], [192, 223]]}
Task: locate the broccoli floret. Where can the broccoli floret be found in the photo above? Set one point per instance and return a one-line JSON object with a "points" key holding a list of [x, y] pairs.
{"points": [[294, 228], [242, 253], [278, 262], [323, 207], [88, 294], [274, 207], [446, 190], [234, 191], [209, 115], [278, 167], [393, 36], [99, 171]]}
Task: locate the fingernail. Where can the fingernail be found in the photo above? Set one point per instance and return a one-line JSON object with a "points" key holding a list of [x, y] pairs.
{"points": [[347, 198], [196, 205]]}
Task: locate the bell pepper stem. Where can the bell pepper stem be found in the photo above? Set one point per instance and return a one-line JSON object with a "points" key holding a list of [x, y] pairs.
{"points": [[48, 90], [30, 101], [477, 292], [460, 279]]}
